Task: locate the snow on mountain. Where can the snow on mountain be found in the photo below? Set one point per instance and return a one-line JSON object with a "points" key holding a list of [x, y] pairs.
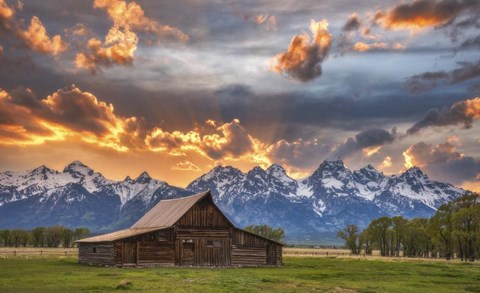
{"points": [[326, 201], [88, 178]]}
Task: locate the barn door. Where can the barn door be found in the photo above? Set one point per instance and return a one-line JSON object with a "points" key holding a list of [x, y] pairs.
{"points": [[188, 251], [129, 253]]}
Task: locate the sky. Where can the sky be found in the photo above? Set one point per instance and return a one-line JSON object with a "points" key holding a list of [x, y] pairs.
{"points": [[175, 88]]}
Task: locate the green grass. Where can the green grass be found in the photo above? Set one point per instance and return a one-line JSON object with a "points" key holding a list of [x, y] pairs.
{"points": [[297, 275]]}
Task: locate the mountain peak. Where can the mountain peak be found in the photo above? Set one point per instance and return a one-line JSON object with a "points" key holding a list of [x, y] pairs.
{"points": [[329, 167], [275, 168], [415, 172], [257, 169], [128, 178], [143, 178], [333, 163], [77, 167], [43, 171], [369, 169], [39, 169], [220, 168]]}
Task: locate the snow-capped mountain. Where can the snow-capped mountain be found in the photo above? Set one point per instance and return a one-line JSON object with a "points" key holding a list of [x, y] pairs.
{"points": [[324, 202]]}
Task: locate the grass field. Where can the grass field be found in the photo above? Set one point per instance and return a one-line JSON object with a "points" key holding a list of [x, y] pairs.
{"points": [[299, 274]]}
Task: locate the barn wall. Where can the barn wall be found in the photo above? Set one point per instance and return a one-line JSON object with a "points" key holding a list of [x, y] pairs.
{"points": [[150, 248], [250, 249], [96, 253], [203, 251]]}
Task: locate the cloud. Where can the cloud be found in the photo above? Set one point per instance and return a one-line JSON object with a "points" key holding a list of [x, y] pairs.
{"points": [[65, 113], [118, 48], [6, 15], [471, 43], [363, 47], [35, 36], [299, 154], [387, 162], [370, 140], [268, 21], [443, 162], [223, 141], [425, 81], [304, 56], [428, 80], [422, 13], [121, 42], [185, 166], [353, 23], [463, 112], [132, 15]]}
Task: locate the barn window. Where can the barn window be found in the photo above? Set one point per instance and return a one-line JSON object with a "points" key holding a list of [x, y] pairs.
{"points": [[214, 243], [94, 250]]}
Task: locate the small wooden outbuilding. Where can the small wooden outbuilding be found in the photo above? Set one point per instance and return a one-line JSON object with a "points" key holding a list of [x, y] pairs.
{"points": [[188, 231]]}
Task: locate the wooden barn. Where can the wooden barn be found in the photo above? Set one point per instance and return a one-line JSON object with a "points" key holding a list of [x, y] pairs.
{"points": [[189, 231]]}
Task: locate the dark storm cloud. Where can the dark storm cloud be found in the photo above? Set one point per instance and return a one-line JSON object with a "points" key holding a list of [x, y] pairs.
{"points": [[471, 43], [373, 137], [425, 81], [353, 23], [428, 80], [443, 162], [463, 112]]}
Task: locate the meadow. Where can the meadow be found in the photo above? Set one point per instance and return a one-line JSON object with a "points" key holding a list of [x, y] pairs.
{"points": [[299, 274]]}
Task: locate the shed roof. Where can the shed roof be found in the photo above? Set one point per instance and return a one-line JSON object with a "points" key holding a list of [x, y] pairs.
{"points": [[167, 212], [120, 234]]}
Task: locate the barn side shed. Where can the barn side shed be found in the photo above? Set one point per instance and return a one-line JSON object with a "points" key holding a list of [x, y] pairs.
{"points": [[188, 231]]}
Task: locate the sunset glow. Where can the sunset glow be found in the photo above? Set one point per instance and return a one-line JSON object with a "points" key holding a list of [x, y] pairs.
{"points": [[177, 88]]}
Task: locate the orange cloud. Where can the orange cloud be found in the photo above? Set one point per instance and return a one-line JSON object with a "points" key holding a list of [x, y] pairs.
{"points": [[37, 39], [185, 166], [121, 41], [6, 12], [387, 162], [132, 15], [269, 21], [229, 141], [118, 48], [362, 47], [67, 113], [421, 14], [35, 36], [303, 58], [79, 30]]}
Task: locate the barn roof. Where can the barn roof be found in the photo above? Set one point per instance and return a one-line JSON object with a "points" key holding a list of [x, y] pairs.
{"points": [[120, 234], [168, 212]]}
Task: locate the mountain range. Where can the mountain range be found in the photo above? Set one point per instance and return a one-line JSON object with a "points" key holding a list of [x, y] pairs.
{"points": [[309, 209]]}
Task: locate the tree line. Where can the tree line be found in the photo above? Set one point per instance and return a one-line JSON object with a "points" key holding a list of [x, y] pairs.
{"points": [[454, 231], [275, 234], [54, 236]]}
